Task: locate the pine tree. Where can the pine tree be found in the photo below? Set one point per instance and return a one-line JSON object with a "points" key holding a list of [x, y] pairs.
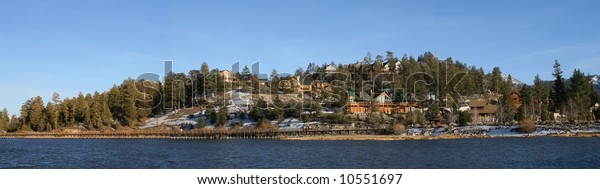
{"points": [[107, 118], [52, 115], [130, 113], [464, 118], [64, 113], [580, 97], [14, 123], [36, 114], [274, 84], [540, 97], [201, 122], [507, 106], [212, 115], [496, 81], [96, 116], [391, 61], [223, 117], [559, 92], [87, 115], [4, 120]]}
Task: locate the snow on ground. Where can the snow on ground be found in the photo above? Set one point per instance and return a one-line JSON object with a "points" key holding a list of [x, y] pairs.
{"points": [[156, 121], [498, 131], [295, 124]]}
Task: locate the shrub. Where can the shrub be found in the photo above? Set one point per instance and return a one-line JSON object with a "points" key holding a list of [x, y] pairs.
{"points": [[201, 122], [266, 124], [395, 129], [527, 126], [464, 118], [398, 129]]}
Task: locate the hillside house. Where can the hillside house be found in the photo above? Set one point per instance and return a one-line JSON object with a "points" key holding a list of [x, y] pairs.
{"points": [[482, 111], [516, 98], [330, 69], [363, 103], [384, 103], [359, 103], [228, 76]]}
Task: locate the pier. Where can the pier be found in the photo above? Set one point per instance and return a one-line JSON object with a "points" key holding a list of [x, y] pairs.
{"points": [[189, 135]]}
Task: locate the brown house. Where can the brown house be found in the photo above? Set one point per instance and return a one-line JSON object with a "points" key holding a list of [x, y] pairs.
{"points": [[359, 103], [482, 111], [438, 120], [363, 103], [516, 98]]}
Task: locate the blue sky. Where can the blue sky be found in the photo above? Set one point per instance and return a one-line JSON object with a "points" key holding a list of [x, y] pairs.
{"points": [[72, 46]]}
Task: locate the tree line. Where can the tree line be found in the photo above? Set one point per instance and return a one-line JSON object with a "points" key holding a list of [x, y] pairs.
{"points": [[134, 101]]}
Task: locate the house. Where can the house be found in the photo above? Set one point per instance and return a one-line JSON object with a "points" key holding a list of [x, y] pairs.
{"points": [[384, 97], [305, 85], [438, 120], [228, 76], [330, 69], [516, 98], [482, 111], [359, 103], [363, 103], [405, 107], [384, 103], [464, 106], [386, 66], [323, 86], [559, 117], [289, 84]]}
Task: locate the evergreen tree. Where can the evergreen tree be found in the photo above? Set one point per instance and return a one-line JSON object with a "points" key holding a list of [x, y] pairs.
{"points": [[580, 97], [201, 122], [212, 115], [223, 117], [64, 113], [559, 92], [496, 82], [391, 61], [540, 95], [507, 106], [274, 84], [4, 120], [52, 115], [36, 114], [96, 116], [106, 115], [258, 112], [85, 114], [464, 118]]}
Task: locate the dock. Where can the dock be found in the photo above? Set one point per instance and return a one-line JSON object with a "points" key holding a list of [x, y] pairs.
{"points": [[189, 135]]}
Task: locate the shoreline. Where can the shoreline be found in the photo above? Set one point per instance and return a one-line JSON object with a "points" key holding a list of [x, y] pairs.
{"points": [[338, 137]]}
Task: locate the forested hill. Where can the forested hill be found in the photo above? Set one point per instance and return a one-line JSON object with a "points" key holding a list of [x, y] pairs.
{"points": [[130, 103]]}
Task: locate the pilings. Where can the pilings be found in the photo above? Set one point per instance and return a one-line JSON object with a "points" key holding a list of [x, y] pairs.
{"points": [[189, 135]]}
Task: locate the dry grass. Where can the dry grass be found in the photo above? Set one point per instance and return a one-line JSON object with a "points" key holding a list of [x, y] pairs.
{"points": [[381, 137], [527, 126], [398, 129]]}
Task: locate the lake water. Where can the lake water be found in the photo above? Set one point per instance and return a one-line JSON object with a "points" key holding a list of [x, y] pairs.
{"points": [[542, 152]]}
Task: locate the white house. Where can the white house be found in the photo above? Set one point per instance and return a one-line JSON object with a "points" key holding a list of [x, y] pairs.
{"points": [[384, 98], [330, 69]]}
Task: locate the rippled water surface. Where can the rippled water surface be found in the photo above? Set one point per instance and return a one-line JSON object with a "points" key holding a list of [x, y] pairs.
{"points": [[542, 152]]}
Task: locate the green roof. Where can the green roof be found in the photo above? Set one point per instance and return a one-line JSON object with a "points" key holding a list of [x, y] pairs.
{"points": [[365, 96], [351, 94]]}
